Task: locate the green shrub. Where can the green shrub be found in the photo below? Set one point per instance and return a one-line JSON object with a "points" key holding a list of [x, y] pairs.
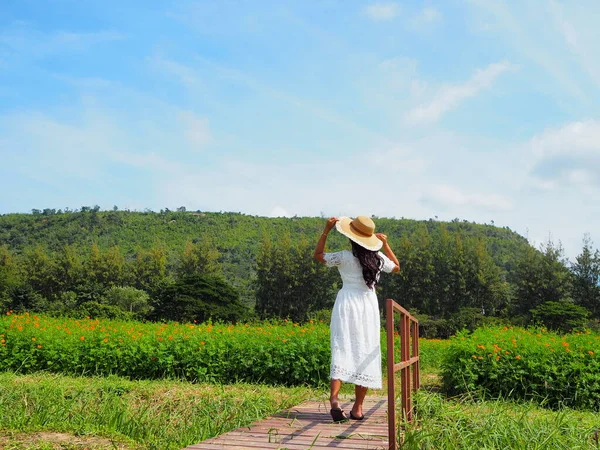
{"points": [[130, 299], [198, 298], [525, 364], [95, 310], [561, 316]]}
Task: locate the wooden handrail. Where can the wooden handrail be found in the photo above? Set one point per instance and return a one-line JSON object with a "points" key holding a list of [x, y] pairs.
{"points": [[409, 356]]}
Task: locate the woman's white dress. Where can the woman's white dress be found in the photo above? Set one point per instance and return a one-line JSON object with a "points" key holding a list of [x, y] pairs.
{"points": [[355, 324]]}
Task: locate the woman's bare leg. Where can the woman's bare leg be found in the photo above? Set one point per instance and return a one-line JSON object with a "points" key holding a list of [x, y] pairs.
{"points": [[360, 393], [335, 390]]}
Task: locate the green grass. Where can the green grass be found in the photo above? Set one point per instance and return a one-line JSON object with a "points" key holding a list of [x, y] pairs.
{"points": [[134, 414], [470, 424]]}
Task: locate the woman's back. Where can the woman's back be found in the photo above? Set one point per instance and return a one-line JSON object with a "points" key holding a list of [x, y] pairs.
{"points": [[350, 269]]}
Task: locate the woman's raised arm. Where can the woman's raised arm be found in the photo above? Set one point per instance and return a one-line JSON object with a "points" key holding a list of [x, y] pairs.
{"points": [[319, 250]]}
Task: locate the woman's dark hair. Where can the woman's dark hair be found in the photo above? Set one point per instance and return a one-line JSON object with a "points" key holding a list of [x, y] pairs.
{"points": [[370, 261]]}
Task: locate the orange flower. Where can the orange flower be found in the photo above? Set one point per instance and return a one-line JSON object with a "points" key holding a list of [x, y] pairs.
{"points": [[105, 339], [568, 350], [39, 346], [497, 357], [202, 343], [591, 352], [33, 339], [518, 357], [82, 338]]}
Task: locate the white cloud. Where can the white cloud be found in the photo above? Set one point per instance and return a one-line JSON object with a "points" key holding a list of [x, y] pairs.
{"points": [[196, 129], [567, 156], [581, 138], [450, 96], [450, 196], [278, 211], [380, 12]]}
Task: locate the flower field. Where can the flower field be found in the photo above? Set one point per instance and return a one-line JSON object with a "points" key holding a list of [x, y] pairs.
{"points": [[278, 354], [286, 354], [535, 365]]}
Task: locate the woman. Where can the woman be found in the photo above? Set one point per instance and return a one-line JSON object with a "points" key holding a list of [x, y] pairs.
{"points": [[355, 346]]}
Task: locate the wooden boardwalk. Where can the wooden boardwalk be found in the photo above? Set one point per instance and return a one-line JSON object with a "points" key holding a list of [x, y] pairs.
{"points": [[309, 426]]}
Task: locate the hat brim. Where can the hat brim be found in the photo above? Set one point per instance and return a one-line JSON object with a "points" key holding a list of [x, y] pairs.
{"points": [[369, 242]]}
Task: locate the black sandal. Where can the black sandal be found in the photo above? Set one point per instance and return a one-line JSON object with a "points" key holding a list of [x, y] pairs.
{"points": [[338, 415], [353, 417]]}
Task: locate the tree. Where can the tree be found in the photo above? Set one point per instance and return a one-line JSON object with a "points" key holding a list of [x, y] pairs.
{"points": [[39, 272], [106, 268], [129, 299], [413, 285], [540, 276], [68, 269], [561, 316], [9, 277], [149, 268], [199, 298], [289, 282], [201, 257], [586, 278]]}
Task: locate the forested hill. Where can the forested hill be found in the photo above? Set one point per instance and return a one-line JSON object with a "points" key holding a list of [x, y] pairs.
{"points": [[236, 236], [181, 265]]}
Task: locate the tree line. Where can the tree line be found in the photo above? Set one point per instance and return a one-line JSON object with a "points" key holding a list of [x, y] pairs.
{"points": [[451, 277]]}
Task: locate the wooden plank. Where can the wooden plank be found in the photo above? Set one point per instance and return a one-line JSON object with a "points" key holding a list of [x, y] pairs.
{"points": [[308, 425]]}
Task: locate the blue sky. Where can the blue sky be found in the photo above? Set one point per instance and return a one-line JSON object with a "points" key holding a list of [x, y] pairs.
{"points": [[484, 110]]}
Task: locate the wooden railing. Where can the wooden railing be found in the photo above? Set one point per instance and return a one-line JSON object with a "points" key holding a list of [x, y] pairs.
{"points": [[409, 340]]}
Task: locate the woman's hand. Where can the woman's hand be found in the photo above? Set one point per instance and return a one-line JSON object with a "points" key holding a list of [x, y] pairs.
{"points": [[382, 237], [330, 223]]}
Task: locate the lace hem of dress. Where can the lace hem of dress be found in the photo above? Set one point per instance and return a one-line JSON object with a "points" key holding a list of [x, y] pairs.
{"points": [[339, 373]]}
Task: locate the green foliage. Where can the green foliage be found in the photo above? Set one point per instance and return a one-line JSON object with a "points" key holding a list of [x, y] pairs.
{"points": [[466, 424], [586, 278], [9, 277], [201, 257], [532, 365], [129, 299], [95, 310], [440, 276], [197, 298], [561, 316], [290, 283], [540, 277], [145, 249]]}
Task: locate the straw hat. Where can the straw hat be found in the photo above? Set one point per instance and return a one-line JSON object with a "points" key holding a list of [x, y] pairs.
{"points": [[360, 230]]}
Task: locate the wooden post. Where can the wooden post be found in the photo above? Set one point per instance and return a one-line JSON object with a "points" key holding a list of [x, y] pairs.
{"points": [[389, 312], [415, 351], [405, 371]]}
